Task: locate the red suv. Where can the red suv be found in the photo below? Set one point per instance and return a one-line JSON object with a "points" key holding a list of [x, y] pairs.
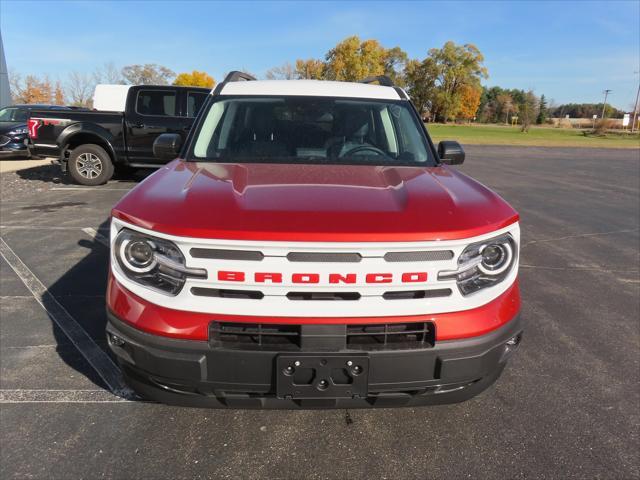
{"points": [[310, 248]]}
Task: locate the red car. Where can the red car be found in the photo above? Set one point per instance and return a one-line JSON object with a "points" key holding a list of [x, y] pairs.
{"points": [[310, 248]]}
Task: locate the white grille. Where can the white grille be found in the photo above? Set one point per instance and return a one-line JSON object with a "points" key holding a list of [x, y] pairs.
{"points": [[294, 296]]}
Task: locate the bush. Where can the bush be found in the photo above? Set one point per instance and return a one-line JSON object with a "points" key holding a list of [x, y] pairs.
{"points": [[603, 125]]}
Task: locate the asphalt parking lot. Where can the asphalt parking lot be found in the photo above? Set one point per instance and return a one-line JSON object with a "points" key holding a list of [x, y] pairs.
{"points": [[568, 405]]}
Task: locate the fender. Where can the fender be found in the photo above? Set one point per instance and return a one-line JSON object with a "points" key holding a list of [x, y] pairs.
{"points": [[97, 131]]}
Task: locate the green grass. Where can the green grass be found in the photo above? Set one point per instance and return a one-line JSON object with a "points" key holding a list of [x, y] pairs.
{"points": [[537, 136]]}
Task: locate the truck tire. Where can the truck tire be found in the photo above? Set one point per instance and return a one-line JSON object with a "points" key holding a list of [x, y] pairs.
{"points": [[90, 164]]}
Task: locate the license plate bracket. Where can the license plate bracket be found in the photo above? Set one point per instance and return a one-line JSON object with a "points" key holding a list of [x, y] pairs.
{"points": [[318, 375]]}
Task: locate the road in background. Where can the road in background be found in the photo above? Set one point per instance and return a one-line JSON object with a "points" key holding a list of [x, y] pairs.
{"points": [[567, 406]]}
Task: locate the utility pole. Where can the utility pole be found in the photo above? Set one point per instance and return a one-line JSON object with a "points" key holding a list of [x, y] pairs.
{"points": [[635, 109], [604, 106]]}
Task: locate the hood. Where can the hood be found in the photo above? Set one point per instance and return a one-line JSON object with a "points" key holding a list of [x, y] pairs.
{"points": [[313, 203], [8, 126]]}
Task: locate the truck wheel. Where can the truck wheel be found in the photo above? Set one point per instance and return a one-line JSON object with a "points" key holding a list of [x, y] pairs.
{"points": [[90, 164]]}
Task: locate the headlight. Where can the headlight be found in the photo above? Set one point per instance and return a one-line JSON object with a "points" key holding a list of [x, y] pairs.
{"points": [[18, 131], [153, 262], [483, 264]]}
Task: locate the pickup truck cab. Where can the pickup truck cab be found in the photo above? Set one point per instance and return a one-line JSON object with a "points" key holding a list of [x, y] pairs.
{"points": [[91, 145], [311, 248]]}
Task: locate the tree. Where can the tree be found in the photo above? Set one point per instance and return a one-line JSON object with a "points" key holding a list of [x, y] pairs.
{"points": [[286, 71], [420, 81], [505, 106], [457, 65], [528, 111], [489, 109], [395, 61], [352, 60], [80, 89], [195, 79], [147, 74], [442, 79], [311, 69], [585, 110], [469, 101], [30, 89], [58, 94], [542, 111], [109, 74]]}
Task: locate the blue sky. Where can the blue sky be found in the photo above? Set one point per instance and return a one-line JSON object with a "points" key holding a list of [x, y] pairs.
{"points": [[570, 51]]}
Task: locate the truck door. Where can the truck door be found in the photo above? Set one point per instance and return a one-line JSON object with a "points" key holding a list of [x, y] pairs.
{"points": [[152, 111]]}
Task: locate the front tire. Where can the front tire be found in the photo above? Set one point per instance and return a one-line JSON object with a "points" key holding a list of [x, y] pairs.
{"points": [[90, 165]]}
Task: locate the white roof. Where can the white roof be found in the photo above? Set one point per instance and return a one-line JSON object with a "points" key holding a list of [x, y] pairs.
{"points": [[320, 88]]}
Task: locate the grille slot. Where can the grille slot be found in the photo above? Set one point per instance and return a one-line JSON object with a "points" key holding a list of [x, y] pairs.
{"points": [[227, 293], [256, 335], [266, 336], [413, 294], [425, 256], [324, 296], [324, 257], [217, 254], [388, 336]]}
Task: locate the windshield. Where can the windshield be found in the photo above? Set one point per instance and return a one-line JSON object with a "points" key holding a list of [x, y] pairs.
{"points": [[311, 130], [13, 115]]}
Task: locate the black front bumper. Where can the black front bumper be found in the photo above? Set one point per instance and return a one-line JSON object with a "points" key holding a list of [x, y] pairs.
{"points": [[14, 150], [201, 374]]}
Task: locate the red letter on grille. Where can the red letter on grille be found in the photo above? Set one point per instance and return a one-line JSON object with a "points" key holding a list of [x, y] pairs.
{"points": [[414, 277], [226, 276], [338, 278], [305, 278], [262, 277], [379, 278]]}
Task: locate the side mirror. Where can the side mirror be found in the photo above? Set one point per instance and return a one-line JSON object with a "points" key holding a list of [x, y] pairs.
{"points": [[450, 152], [167, 146]]}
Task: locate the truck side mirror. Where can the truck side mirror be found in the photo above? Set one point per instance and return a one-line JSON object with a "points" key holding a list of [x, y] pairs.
{"points": [[167, 146], [450, 152]]}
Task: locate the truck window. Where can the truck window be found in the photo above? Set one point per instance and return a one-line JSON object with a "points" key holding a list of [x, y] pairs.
{"points": [[156, 103], [13, 115], [195, 100]]}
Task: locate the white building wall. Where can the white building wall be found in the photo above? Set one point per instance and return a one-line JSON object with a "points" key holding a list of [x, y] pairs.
{"points": [[5, 94]]}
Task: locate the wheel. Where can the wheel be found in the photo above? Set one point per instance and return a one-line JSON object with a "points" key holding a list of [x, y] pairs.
{"points": [[90, 164]]}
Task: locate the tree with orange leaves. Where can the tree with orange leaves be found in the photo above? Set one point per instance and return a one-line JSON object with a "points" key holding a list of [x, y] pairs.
{"points": [[195, 79], [469, 101]]}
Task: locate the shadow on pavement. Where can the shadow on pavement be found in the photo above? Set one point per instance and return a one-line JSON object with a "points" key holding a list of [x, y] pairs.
{"points": [[53, 174], [80, 290]]}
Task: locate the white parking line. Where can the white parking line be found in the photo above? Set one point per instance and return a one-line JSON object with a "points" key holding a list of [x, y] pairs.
{"points": [[97, 358], [36, 227], [59, 396], [97, 236], [93, 189]]}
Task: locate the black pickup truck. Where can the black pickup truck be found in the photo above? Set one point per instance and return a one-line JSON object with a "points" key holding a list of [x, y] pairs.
{"points": [[92, 145]]}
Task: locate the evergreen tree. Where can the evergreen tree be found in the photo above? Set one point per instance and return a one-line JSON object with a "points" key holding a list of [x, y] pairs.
{"points": [[542, 113]]}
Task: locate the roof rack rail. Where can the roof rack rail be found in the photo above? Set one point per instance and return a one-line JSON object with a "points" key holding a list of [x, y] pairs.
{"points": [[383, 80], [236, 76]]}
